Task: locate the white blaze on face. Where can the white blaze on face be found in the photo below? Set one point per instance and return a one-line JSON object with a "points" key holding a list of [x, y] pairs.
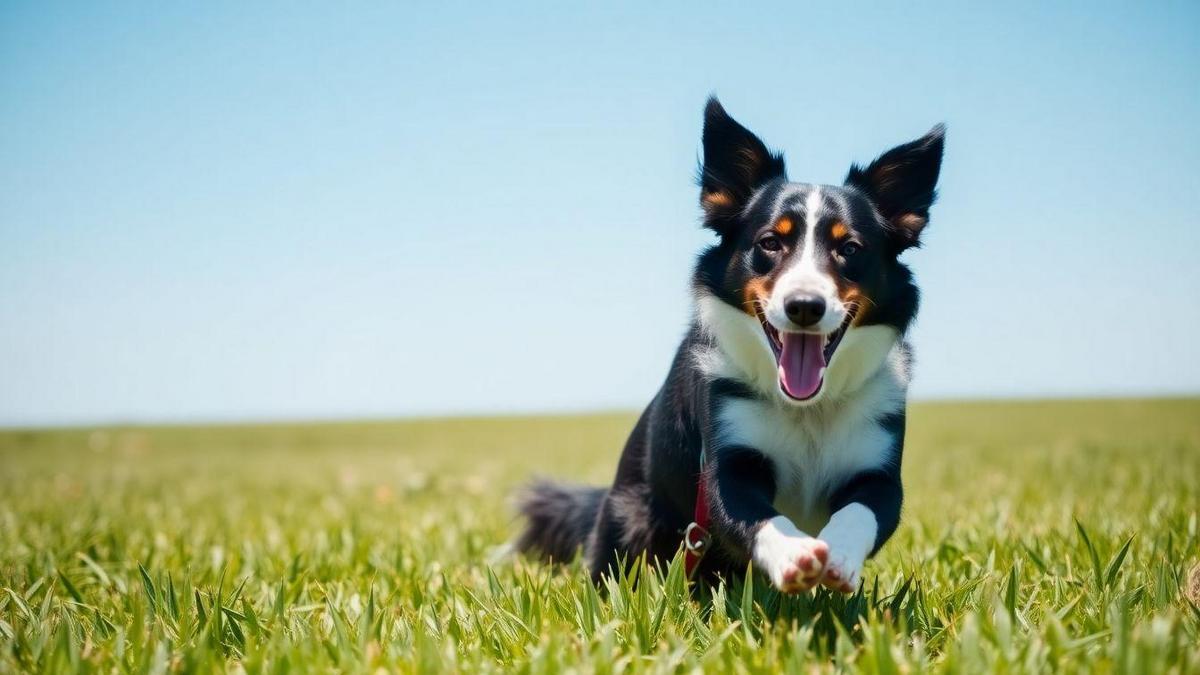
{"points": [[804, 276]]}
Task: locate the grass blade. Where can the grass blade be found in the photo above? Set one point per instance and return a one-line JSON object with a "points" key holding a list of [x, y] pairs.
{"points": [[71, 590], [148, 586], [1095, 557], [1114, 566]]}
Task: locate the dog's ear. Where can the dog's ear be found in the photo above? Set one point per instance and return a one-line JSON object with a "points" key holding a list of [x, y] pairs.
{"points": [[903, 185], [736, 163]]}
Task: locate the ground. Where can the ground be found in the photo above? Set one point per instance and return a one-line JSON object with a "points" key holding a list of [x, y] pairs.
{"points": [[1036, 536]]}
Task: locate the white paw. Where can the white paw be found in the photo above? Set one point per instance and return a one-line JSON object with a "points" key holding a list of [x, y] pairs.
{"points": [[842, 572], [850, 535], [792, 560]]}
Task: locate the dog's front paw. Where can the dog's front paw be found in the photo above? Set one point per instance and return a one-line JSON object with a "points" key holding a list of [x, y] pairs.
{"points": [[800, 566], [842, 572], [850, 534], [792, 560]]}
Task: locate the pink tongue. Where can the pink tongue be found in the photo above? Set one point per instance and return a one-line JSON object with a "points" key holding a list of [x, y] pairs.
{"points": [[800, 364]]}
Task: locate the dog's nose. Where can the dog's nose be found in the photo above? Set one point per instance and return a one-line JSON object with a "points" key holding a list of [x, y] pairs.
{"points": [[805, 310]]}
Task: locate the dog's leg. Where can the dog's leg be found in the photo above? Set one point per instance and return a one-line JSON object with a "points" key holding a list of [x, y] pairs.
{"points": [[742, 482], [866, 512]]}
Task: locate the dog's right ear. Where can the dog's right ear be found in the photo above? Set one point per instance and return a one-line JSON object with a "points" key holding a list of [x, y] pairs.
{"points": [[736, 163], [902, 183]]}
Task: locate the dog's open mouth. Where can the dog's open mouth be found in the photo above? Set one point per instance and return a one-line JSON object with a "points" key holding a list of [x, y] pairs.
{"points": [[802, 357]]}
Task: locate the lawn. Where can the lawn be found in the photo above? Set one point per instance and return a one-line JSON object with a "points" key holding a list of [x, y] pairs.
{"points": [[1037, 536]]}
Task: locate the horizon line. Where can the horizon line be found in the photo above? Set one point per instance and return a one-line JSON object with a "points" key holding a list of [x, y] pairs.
{"points": [[465, 415]]}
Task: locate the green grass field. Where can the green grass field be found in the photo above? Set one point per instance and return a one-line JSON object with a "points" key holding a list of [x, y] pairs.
{"points": [[1037, 537]]}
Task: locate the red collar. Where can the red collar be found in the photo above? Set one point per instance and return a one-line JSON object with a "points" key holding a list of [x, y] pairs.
{"points": [[696, 537]]}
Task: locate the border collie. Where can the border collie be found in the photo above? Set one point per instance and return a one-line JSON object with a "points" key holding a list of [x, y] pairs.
{"points": [[778, 433]]}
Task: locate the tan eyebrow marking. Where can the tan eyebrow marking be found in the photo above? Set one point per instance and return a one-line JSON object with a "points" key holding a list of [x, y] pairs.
{"points": [[839, 230], [784, 225]]}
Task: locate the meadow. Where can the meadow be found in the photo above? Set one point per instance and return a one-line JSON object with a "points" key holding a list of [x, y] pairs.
{"points": [[1037, 537]]}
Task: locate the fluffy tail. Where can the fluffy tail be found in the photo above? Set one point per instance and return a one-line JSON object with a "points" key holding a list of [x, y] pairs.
{"points": [[560, 518]]}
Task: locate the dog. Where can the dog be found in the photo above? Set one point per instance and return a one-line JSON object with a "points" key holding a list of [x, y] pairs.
{"points": [[778, 434]]}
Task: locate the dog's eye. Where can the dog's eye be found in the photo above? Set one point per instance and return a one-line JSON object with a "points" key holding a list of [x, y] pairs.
{"points": [[770, 243], [849, 248]]}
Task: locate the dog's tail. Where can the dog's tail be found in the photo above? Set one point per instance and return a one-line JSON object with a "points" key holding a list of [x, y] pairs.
{"points": [[559, 519]]}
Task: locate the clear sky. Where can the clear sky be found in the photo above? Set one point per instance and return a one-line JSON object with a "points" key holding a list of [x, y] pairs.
{"points": [[244, 210]]}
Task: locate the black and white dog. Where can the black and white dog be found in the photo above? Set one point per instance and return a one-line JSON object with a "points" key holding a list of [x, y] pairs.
{"points": [[784, 408]]}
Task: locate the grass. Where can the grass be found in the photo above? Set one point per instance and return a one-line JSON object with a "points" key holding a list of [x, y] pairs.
{"points": [[1037, 537]]}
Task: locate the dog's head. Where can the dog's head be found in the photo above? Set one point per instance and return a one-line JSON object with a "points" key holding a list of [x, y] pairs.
{"points": [[805, 284]]}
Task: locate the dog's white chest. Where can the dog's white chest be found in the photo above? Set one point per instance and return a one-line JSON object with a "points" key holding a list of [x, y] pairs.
{"points": [[814, 450]]}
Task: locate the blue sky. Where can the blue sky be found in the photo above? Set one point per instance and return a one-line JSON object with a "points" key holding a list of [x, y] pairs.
{"points": [[246, 210]]}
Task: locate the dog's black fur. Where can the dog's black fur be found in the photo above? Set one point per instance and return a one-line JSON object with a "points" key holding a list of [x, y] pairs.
{"points": [[881, 210]]}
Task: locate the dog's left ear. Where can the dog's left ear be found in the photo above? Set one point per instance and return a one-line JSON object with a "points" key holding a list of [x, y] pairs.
{"points": [[903, 185], [736, 163]]}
